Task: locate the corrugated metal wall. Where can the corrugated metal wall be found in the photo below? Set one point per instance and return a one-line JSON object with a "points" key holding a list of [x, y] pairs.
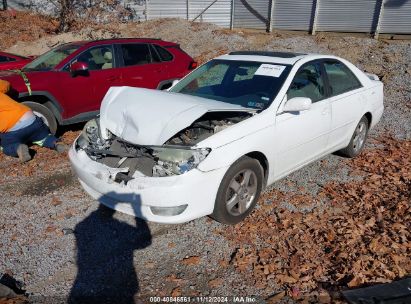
{"points": [[293, 15], [396, 17], [167, 9], [332, 15], [251, 13], [219, 13], [346, 15]]}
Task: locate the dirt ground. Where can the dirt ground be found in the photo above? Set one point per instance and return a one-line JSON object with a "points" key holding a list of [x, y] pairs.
{"points": [[336, 224]]}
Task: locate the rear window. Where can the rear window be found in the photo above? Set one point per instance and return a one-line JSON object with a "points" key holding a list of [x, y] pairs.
{"points": [[163, 53]]}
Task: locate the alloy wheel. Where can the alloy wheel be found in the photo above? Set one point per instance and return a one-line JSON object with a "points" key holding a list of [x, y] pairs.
{"points": [[241, 192]]}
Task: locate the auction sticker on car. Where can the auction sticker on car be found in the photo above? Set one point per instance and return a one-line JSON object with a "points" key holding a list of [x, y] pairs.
{"points": [[270, 70]]}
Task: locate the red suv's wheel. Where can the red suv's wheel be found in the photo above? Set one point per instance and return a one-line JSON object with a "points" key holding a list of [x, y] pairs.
{"points": [[44, 113]]}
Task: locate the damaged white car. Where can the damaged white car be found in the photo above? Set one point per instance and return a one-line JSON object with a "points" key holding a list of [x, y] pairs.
{"points": [[212, 143]]}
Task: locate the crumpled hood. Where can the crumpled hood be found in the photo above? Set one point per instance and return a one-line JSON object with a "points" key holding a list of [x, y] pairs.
{"points": [[151, 117]]}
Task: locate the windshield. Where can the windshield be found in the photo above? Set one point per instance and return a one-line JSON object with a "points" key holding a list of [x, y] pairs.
{"points": [[51, 59], [246, 83]]}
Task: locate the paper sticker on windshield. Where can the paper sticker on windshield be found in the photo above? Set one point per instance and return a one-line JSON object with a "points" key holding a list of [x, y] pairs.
{"points": [[270, 70]]}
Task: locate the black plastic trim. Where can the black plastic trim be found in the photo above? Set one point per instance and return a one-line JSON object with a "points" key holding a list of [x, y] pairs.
{"points": [[80, 118], [269, 54]]}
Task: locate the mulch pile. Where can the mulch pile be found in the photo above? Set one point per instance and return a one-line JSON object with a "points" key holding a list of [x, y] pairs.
{"points": [[360, 236], [22, 26]]}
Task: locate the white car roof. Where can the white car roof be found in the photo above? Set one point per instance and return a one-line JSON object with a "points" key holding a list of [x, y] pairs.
{"points": [[274, 57]]}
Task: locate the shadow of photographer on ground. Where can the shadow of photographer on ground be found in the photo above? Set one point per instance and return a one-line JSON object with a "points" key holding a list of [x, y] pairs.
{"points": [[105, 250]]}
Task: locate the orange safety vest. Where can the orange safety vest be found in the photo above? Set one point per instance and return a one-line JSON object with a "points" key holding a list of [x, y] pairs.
{"points": [[10, 112]]}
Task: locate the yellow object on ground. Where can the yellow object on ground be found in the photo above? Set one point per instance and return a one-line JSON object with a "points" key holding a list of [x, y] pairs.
{"points": [[10, 111]]}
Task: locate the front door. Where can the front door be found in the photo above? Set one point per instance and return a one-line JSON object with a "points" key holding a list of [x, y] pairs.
{"points": [[303, 136], [86, 91]]}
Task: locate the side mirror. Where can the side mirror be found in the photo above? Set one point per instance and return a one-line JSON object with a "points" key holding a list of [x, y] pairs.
{"points": [[297, 104], [79, 68]]}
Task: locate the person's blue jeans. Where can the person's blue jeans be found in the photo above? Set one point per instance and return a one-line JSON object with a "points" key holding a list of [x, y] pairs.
{"points": [[37, 133]]}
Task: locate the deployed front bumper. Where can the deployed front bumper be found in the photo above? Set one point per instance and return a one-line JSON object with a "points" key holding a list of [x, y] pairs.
{"points": [[192, 193]]}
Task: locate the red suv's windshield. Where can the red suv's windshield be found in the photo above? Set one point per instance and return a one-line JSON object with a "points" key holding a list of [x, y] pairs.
{"points": [[51, 59]]}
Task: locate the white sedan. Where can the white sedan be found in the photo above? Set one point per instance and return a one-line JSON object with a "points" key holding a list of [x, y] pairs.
{"points": [[223, 133]]}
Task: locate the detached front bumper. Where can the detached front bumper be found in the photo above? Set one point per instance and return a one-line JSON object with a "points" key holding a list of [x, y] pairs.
{"points": [[191, 195]]}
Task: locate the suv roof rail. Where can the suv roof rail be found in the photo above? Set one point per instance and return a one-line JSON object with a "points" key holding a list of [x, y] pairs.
{"points": [[122, 38]]}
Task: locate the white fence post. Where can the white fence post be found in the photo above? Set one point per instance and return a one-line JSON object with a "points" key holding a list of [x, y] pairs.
{"points": [[378, 26], [232, 15], [271, 16], [146, 9], [188, 9], [314, 22]]}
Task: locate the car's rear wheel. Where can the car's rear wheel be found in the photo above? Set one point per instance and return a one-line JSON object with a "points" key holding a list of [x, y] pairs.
{"points": [[358, 139], [239, 191], [44, 113]]}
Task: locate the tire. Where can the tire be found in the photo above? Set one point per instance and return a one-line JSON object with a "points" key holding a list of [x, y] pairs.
{"points": [[44, 113], [358, 139], [243, 200]]}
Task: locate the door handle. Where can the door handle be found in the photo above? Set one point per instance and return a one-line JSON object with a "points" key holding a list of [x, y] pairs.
{"points": [[324, 112]]}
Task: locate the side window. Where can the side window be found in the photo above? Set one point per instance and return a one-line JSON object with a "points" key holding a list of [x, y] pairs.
{"points": [[97, 58], [340, 77], [164, 54], [308, 82], [6, 59], [135, 54]]}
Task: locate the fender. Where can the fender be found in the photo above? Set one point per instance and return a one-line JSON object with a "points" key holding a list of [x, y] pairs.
{"points": [[52, 104]]}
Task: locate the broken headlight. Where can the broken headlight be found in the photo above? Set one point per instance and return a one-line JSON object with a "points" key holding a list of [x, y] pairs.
{"points": [[175, 161], [91, 135]]}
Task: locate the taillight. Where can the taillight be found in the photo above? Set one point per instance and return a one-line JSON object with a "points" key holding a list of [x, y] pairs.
{"points": [[193, 65]]}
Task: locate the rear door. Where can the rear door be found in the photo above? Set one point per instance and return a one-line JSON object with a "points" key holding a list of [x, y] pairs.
{"points": [[87, 90], [140, 66], [347, 101], [303, 136]]}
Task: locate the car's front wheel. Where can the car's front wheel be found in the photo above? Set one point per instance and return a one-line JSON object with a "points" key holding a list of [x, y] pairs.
{"points": [[239, 191], [44, 113], [358, 139]]}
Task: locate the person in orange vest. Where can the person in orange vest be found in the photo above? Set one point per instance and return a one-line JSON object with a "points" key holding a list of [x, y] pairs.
{"points": [[19, 127]]}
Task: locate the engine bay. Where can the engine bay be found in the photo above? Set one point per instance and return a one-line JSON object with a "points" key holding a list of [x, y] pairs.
{"points": [[209, 124], [175, 157]]}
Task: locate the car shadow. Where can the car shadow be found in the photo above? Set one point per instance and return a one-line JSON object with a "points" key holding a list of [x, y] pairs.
{"points": [[105, 250]]}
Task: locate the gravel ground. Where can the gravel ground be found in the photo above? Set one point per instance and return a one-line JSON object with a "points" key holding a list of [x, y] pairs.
{"points": [[60, 243]]}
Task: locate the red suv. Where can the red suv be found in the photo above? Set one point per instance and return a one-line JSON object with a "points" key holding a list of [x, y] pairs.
{"points": [[67, 84], [11, 61]]}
